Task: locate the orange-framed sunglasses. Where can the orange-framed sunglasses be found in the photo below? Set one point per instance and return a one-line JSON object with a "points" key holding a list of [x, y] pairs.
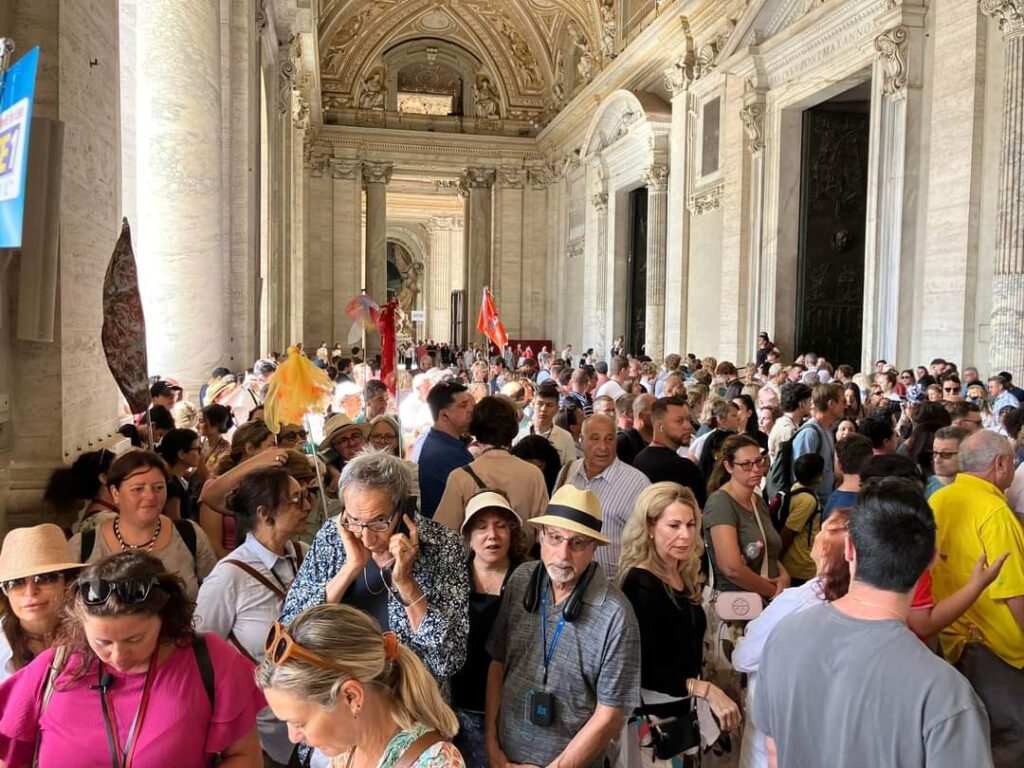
{"points": [[281, 647]]}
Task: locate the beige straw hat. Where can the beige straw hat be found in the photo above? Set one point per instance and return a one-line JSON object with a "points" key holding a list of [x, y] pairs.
{"points": [[35, 550], [574, 510]]}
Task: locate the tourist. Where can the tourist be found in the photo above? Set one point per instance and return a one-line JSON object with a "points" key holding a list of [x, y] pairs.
{"points": [[545, 408], [766, 417], [854, 409], [851, 453], [402, 568], [215, 421], [84, 482], [343, 440], [541, 453], [743, 545], [967, 415], [1001, 396], [831, 581], [986, 643], [803, 521], [796, 406], [35, 573], [617, 485], [292, 437], [494, 426], [138, 485], [562, 700], [180, 449], [375, 400], [659, 572], [634, 439], [724, 422], [671, 430], [946, 458], [844, 429], [129, 628], [352, 692], [816, 436], [490, 531], [918, 710], [441, 448]]}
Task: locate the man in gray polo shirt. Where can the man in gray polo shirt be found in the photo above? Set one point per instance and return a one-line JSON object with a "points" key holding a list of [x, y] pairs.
{"points": [[565, 648]]}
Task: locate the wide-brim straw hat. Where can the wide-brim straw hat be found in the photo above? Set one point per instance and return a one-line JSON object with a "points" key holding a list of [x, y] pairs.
{"points": [[574, 510], [337, 424], [32, 551], [487, 500]]}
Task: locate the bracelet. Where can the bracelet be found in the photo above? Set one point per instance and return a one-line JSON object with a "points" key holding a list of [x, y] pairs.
{"points": [[420, 599], [689, 687]]}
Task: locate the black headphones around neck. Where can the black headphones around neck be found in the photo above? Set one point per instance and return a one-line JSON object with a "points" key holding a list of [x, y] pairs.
{"points": [[539, 581]]}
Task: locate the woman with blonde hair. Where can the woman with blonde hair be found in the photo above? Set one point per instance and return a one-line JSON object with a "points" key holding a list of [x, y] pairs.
{"points": [[660, 575], [357, 695]]}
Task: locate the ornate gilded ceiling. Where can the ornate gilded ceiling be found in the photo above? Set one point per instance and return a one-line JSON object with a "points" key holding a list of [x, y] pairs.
{"points": [[533, 53]]}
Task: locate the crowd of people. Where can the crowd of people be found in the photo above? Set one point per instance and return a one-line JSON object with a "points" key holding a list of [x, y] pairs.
{"points": [[534, 559]]}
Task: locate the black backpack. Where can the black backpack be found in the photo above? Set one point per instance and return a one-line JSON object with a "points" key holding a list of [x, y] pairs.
{"points": [[780, 475], [779, 506]]}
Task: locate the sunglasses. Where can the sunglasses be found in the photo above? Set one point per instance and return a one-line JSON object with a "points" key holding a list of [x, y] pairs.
{"points": [[40, 579], [128, 591], [281, 647], [301, 435], [950, 389]]}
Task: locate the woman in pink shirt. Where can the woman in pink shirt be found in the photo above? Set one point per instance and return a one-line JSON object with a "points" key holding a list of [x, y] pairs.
{"points": [[134, 685]]}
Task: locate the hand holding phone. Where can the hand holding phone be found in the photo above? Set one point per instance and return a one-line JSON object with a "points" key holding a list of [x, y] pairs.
{"points": [[404, 547]]}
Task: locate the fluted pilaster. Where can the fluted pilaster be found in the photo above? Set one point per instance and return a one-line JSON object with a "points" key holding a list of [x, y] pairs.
{"points": [[656, 179]]}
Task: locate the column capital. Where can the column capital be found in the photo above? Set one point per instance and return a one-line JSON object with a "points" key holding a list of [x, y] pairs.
{"points": [[656, 178], [600, 202], [377, 173], [753, 123], [444, 223], [479, 178], [1010, 14], [680, 76], [316, 163], [344, 169], [514, 178], [891, 47]]}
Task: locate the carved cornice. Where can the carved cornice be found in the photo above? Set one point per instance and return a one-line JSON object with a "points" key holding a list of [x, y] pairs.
{"points": [[345, 169], [892, 47], [377, 173], [316, 163], [479, 178], [600, 202], [444, 223], [656, 178], [1010, 14], [706, 200], [753, 123], [540, 177], [514, 178]]}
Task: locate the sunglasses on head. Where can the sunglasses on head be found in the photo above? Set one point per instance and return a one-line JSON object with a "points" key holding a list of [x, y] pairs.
{"points": [[39, 580], [281, 647], [128, 591]]}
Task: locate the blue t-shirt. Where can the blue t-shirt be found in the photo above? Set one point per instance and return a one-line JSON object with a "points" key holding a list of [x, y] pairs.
{"points": [[439, 454], [840, 500]]}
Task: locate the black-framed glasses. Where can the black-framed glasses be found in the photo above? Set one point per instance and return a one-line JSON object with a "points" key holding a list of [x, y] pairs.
{"points": [[378, 525], [576, 543], [944, 455], [746, 466], [40, 579], [128, 591]]}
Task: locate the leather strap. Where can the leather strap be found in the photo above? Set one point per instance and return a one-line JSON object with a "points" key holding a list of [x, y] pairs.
{"points": [[413, 751], [258, 576]]}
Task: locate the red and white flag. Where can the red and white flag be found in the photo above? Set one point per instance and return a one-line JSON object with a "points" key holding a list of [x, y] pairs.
{"points": [[489, 322]]}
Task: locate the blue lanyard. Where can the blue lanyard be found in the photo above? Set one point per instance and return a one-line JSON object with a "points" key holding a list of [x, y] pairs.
{"points": [[549, 650]]}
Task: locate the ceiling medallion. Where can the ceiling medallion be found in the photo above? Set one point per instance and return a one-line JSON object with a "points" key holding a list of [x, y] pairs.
{"points": [[436, 21]]}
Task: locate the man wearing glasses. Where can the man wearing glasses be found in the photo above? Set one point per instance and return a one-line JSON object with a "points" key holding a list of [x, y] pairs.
{"points": [[565, 648], [951, 389]]}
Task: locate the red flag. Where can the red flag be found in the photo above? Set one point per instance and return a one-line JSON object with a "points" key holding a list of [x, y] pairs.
{"points": [[124, 325], [387, 345], [489, 323]]}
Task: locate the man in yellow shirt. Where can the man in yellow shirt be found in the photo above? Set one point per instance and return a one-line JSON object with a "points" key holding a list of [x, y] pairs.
{"points": [[987, 642], [804, 520]]}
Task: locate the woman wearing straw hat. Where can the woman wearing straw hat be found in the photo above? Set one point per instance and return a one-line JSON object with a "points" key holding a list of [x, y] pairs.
{"points": [[491, 532], [356, 694], [34, 572]]}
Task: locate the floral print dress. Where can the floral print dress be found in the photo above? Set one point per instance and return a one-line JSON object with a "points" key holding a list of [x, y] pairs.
{"points": [[440, 755]]}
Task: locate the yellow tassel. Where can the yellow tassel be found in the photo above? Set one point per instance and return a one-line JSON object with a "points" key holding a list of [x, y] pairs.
{"points": [[296, 388]]}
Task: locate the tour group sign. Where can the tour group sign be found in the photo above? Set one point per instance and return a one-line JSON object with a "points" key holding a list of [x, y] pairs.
{"points": [[17, 91]]}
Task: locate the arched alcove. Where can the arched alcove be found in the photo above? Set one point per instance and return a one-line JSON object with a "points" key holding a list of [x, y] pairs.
{"points": [[432, 67]]}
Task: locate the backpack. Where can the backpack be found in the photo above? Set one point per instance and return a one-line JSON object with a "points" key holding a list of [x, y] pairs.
{"points": [[779, 506], [186, 530], [780, 477]]}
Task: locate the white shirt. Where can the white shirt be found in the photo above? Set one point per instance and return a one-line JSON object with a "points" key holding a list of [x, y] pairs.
{"points": [[232, 602], [558, 437], [1015, 493], [612, 388]]}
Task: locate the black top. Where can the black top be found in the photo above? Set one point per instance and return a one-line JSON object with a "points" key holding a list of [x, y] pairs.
{"points": [[671, 633], [186, 507], [629, 444], [469, 685], [369, 593], [662, 464]]}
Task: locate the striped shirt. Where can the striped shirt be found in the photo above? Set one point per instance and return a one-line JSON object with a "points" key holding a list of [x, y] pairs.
{"points": [[617, 488]]}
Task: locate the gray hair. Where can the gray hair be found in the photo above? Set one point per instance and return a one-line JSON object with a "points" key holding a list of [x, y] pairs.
{"points": [[378, 470], [979, 452]]}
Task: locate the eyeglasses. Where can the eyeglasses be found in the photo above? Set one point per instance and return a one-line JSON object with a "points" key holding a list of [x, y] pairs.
{"points": [[944, 455], [128, 591], [383, 438], [281, 647], [347, 439], [299, 498], [746, 466], [950, 389], [378, 525], [300, 435], [576, 543], [40, 579]]}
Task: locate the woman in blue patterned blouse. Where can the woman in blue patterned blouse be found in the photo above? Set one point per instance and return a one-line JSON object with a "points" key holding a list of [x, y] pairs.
{"points": [[381, 556]]}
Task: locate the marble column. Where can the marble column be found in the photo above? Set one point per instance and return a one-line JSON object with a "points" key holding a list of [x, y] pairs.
{"points": [[678, 80], [348, 232], [1006, 350], [444, 230], [656, 179], [595, 283], [375, 178], [479, 184], [179, 243], [752, 116]]}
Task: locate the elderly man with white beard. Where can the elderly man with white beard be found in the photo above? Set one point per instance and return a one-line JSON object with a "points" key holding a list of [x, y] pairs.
{"points": [[565, 649]]}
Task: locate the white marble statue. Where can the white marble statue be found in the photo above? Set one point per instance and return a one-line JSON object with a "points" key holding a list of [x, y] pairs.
{"points": [[485, 99]]}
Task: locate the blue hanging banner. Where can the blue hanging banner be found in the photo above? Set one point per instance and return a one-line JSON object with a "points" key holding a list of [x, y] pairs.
{"points": [[19, 87]]}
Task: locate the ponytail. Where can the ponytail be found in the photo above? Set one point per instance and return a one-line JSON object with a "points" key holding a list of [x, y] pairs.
{"points": [[417, 699]]}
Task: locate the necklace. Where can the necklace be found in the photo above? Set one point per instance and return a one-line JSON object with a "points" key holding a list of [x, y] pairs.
{"points": [[878, 607], [489, 589], [148, 546], [383, 581]]}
